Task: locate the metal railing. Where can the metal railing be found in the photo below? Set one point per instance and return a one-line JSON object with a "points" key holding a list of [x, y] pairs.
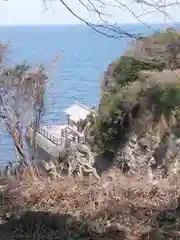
{"points": [[50, 137], [67, 132], [72, 135]]}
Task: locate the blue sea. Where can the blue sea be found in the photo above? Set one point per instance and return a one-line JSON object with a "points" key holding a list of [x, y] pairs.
{"points": [[83, 56]]}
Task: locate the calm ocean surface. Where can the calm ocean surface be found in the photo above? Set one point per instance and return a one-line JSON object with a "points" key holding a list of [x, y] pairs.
{"points": [[83, 56]]}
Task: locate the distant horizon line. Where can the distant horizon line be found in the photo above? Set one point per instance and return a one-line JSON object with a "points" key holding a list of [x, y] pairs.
{"points": [[70, 24]]}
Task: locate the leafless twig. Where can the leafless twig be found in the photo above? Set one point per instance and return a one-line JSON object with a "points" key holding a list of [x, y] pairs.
{"points": [[114, 30]]}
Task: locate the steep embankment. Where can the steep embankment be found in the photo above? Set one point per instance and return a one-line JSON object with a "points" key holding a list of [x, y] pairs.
{"points": [[138, 114]]}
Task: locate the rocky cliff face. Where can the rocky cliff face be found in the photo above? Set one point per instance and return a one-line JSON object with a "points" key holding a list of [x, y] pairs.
{"points": [[152, 153], [138, 117]]}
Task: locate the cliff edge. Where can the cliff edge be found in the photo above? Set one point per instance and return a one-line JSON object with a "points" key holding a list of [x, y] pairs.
{"points": [[138, 115]]}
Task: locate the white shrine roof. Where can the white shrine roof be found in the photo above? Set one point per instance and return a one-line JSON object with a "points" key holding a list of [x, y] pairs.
{"points": [[77, 112]]}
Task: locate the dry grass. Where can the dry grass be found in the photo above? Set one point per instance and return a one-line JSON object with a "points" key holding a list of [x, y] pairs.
{"points": [[150, 79], [126, 206], [153, 46]]}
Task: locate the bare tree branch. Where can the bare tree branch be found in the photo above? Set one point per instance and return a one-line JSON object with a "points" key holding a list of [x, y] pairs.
{"points": [[114, 30], [21, 101]]}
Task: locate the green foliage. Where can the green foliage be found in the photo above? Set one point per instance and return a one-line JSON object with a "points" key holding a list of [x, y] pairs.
{"points": [[128, 69], [166, 100], [41, 68], [107, 126], [116, 107], [120, 103], [17, 71], [112, 123]]}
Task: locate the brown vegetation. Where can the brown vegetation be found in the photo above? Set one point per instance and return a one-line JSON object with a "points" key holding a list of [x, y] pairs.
{"points": [[119, 207]]}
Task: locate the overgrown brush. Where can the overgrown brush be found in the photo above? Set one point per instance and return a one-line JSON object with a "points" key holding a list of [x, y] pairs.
{"points": [[129, 93], [119, 207]]}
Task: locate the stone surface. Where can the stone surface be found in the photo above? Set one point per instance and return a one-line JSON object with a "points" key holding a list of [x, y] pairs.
{"points": [[148, 153]]}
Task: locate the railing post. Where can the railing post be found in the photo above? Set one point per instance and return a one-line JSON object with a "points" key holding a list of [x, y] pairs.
{"points": [[50, 137]]}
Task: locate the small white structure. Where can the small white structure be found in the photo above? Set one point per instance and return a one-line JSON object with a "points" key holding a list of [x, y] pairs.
{"points": [[52, 138], [76, 113]]}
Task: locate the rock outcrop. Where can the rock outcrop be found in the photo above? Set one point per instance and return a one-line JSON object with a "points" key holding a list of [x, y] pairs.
{"points": [[138, 117], [152, 153]]}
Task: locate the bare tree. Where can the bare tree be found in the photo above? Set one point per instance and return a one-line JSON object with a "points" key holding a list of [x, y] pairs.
{"points": [[100, 10], [21, 101]]}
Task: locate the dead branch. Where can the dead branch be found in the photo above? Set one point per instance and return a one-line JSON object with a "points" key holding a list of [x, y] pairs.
{"points": [[99, 9], [21, 101]]}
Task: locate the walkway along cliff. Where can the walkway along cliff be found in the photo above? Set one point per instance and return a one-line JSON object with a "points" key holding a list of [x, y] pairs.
{"points": [[53, 138]]}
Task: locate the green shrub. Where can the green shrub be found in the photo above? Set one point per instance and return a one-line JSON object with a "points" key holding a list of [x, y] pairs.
{"points": [[128, 68], [113, 121], [164, 100]]}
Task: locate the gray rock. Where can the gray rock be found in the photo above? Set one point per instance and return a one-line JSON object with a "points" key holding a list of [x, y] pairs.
{"points": [[154, 153]]}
